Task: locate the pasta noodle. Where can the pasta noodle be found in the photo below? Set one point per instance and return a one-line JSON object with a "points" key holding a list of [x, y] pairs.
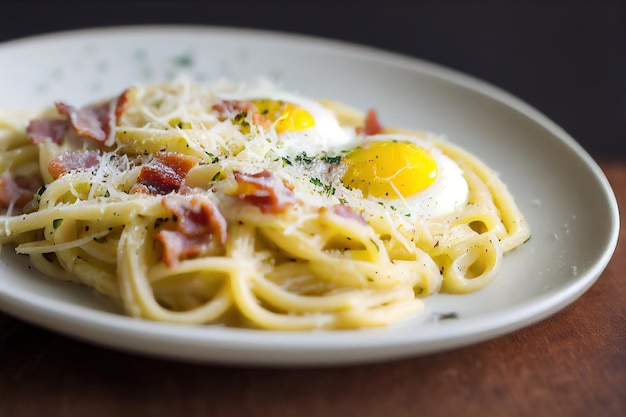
{"points": [[250, 206]]}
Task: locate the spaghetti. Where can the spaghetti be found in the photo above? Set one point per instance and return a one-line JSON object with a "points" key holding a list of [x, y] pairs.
{"points": [[250, 206]]}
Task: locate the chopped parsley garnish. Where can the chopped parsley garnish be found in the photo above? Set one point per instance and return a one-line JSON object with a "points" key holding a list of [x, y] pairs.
{"points": [[328, 189], [216, 176], [317, 182], [56, 223], [240, 119], [213, 158], [331, 159], [304, 158], [286, 161]]}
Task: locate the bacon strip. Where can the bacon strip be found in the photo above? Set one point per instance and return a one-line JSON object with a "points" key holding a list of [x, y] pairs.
{"points": [[166, 173], [197, 216], [122, 105], [92, 122], [199, 221], [264, 190], [226, 109], [177, 246], [42, 130], [71, 161], [18, 189], [347, 212], [372, 125]]}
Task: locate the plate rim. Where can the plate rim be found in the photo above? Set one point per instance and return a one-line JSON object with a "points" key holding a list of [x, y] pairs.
{"points": [[555, 300]]}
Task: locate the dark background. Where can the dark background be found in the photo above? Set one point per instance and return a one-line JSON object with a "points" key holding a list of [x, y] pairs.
{"points": [[565, 58]]}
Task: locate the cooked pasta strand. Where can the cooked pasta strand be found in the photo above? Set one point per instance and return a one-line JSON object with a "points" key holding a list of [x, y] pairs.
{"points": [[225, 205]]}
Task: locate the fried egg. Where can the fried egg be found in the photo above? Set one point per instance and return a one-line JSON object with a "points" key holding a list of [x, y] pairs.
{"points": [[297, 124], [322, 135], [408, 175]]}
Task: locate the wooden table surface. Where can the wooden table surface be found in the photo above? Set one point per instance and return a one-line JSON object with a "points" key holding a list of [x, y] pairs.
{"points": [[572, 364]]}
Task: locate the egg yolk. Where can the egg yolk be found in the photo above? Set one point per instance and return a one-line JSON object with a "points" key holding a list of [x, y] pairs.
{"points": [[384, 169], [293, 118]]}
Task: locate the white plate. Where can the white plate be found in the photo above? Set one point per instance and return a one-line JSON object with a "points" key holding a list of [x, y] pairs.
{"points": [[567, 200]]}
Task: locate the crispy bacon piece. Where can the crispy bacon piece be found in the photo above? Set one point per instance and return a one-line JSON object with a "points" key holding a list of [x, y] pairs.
{"points": [[177, 246], [264, 190], [199, 222], [197, 216], [121, 105], [90, 121], [372, 125], [166, 173], [42, 130], [226, 108], [72, 160], [347, 212], [18, 189]]}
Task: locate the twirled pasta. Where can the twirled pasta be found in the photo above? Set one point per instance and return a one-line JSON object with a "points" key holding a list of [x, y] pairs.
{"points": [[306, 251]]}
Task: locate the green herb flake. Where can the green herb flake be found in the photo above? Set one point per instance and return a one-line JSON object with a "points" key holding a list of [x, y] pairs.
{"points": [[214, 159], [107, 194], [328, 189], [216, 176], [374, 243], [303, 157], [317, 182], [286, 161], [331, 159], [240, 119], [56, 223]]}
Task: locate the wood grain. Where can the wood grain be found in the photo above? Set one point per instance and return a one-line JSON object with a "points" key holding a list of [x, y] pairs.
{"points": [[572, 364]]}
